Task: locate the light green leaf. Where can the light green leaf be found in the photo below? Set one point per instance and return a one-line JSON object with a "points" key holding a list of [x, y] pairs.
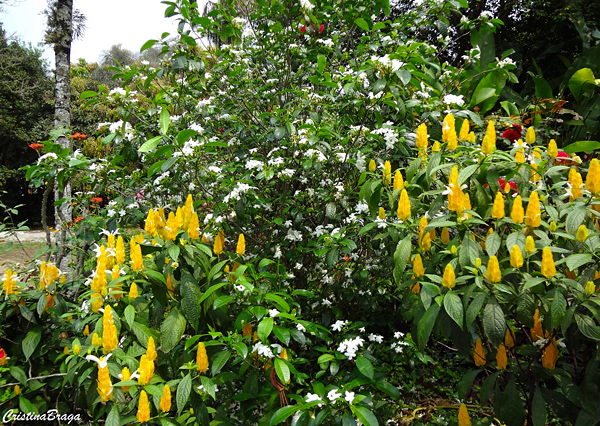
{"points": [[208, 386], [171, 330], [283, 413], [150, 144], [129, 315], [282, 370], [574, 261], [264, 328], [582, 146], [401, 257], [321, 63], [19, 374], [31, 341], [164, 120], [579, 80], [362, 24], [219, 361], [113, 418], [183, 392], [454, 307], [364, 415]]}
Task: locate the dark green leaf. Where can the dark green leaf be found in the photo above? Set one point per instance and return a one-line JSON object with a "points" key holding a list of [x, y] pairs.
{"points": [[282, 370], [365, 366], [425, 325], [364, 415], [264, 328], [219, 361], [494, 324]]}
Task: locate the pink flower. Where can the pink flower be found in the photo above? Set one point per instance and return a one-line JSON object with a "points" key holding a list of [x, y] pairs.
{"points": [[321, 28], [140, 194]]}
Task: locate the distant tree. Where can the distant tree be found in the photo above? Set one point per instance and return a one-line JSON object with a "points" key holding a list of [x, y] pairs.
{"points": [[25, 117]]}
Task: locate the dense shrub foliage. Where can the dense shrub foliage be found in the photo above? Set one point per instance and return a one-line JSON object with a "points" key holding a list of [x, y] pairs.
{"points": [[285, 226]]}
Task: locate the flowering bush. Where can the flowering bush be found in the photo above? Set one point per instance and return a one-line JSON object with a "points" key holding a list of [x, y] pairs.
{"points": [[347, 204]]}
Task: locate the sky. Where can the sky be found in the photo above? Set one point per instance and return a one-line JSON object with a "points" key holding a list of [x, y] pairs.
{"points": [[127, 22]]}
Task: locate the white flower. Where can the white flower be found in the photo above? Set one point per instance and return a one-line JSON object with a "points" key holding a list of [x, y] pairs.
{"points": [[333, 395], [349, 347], [261, 349], [273, 312], [349, 397], [338, 325], [453, 99], [300, 327], [375, 338], [310, 397]]}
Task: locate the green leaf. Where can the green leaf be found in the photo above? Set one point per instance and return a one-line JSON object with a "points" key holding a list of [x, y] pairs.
{"points": [[468, 252], [190, 294], [475, 307], [148, 45], [575, 219], [574, 261], [388, 388], [508, 405], [211, 290], [582, 146], [494, 323], [466, 383], [129, 315], [530, 283], [171, 330], [87, 94], [183, 392], [466, 173], [241, 349], [492, 243], [164, 120], [365, 367], [362, 24], [283, 413], [113, 418], [454, 307], [542, 88], [364, 415], [282, 369], [264, 328], [219, 361], [404, 76], [579, 80], [208, 386], [558, 308], [538, 409], [19, 374], [401, 257], [142, 332], [588, 327], [425, 325], [150, 144], [26, 406], [321, 63], [31, 341]]}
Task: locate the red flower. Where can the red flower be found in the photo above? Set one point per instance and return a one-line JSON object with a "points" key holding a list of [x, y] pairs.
{"points": [[3, 357], [502, 184], [79, 136], [78, 219], [513, 134], [321, 28], [36, 146], [96, 200], [303, 29], [561, 156], [220, 129]]}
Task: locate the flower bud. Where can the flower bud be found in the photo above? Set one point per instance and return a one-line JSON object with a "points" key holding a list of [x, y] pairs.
{"points": [[590, 288], [582, 233]]}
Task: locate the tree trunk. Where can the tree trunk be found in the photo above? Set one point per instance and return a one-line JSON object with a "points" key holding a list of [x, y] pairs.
{"points": [[62, 119]]}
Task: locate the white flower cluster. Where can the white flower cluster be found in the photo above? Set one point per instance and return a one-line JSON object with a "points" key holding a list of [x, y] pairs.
{"points": [[506, 61], [349, 347], [338, 325], [235, 194], [389, 134], [454, 99]]}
